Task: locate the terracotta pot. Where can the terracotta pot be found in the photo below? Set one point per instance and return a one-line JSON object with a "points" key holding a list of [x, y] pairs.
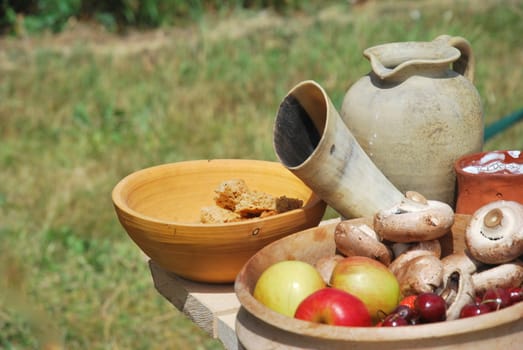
{"points": [[488, 176], [414, 116], [311, 140]]}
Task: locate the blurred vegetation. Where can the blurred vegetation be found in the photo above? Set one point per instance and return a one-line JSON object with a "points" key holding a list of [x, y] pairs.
{"points": [[83, 108], [36, 15]]}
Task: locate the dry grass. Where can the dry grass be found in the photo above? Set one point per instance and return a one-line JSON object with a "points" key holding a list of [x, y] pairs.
{"points": [[80, 110]]}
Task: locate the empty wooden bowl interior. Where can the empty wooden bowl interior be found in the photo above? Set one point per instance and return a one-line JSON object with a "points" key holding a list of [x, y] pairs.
{"points": [[259, 327], [159, 207]]}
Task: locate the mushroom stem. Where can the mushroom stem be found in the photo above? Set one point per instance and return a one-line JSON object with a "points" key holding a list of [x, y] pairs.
{"points": [[457, 290], [493, 218], [416, 197]]}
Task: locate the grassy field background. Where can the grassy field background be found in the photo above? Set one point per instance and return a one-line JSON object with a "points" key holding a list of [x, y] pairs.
{"points": [[81, 109]]}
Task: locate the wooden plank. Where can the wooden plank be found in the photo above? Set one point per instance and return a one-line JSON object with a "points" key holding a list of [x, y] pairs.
{"points": [[226, 331], [211, 307]]}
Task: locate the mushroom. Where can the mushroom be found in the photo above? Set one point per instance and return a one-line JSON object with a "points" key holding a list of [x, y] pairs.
{"points": [[503, 276], [494, 234], [414, 219], [399, 248], [360, 239], [420, 275], [325, 266], [458, 286], [484, 276], [414, 250], [432, 246], [418, 268], [457, 290], [462, 261]]}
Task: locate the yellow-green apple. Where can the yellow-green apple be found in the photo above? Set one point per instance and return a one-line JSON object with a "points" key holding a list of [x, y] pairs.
{"points": [[283, 285], [335, 307], [369, 280]]}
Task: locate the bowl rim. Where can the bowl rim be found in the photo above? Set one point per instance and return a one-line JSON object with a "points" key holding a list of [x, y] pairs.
{"points": [[468, 159], [365, 334], [119, 203]]}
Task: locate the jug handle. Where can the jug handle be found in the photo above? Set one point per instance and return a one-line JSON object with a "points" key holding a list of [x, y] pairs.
{"points": [[465, 64]]}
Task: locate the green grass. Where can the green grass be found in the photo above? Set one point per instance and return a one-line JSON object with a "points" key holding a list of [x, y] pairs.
{"points": [[75, 119]]}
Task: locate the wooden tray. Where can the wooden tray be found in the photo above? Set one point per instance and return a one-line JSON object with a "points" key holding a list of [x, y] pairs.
{"points": [[258, 327]]}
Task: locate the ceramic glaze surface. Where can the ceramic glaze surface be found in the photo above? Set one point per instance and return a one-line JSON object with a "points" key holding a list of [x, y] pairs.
{"points": [[488, 176], [415, 116]]}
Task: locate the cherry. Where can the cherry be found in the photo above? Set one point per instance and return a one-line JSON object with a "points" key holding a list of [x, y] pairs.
{"points": [[516, 294], [406, 312], [497, 298], [474, 309], [402, 315], [430, 307], [394, 320]]}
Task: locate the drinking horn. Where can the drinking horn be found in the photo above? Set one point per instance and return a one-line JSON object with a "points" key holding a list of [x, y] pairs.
{"points": [[312, 141]]}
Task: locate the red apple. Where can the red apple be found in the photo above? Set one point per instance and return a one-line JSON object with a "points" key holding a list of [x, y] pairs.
{"points": [[283, 285], [335, 307], [370, 281]]}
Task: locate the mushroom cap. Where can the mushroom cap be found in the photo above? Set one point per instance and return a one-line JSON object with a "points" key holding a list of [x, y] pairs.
{"points": [[414, 220], [421, 274], [416, 249], [360, 239], [494, 234], [503, 276]]}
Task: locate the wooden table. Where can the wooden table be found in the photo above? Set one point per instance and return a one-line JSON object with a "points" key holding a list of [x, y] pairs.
{"points": [[213, 308]]}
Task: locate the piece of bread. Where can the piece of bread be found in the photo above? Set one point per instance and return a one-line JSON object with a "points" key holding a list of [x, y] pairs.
{"points": [[254, 203], [216, 215], [228, 193], [234, 202], [285, 203]]}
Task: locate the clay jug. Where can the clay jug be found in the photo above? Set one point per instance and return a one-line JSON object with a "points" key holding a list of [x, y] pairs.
{"points": [[417, 112]]}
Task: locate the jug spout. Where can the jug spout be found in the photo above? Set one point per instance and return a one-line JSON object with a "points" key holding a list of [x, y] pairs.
{"points": [[397, 61], [312, 141]]}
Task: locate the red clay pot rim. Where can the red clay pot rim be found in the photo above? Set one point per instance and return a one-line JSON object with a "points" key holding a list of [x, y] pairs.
{"points": [[461, 162]]}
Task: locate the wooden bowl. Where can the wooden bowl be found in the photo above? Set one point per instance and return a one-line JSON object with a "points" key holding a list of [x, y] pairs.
{"points": [[259, 327], [159, 207]]}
